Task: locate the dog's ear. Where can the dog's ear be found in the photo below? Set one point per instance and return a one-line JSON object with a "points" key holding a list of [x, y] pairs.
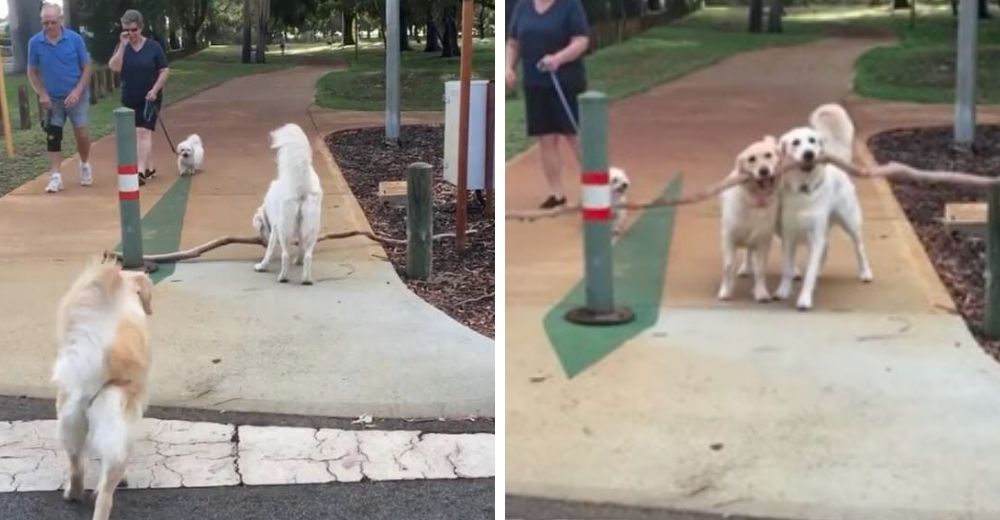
{"points": [[143, 287], [108, 279]]}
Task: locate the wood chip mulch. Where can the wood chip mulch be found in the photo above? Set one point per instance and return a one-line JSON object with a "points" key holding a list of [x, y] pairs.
{"points": [[461, 286], [960, 260]]}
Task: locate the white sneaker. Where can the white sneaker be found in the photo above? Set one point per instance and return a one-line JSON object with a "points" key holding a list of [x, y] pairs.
{"points": [[86, 175], [55, 183]]}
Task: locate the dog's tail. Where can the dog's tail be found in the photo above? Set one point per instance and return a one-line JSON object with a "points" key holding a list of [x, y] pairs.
{"points": [[834, 123], [294, 151]]}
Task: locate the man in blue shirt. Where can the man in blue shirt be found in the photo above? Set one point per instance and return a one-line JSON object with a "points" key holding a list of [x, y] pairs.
{"points": [[59, 71]]}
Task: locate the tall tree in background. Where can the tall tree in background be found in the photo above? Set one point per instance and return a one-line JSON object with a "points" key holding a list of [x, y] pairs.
{"points": [[485, 9], [25, 22], [774, 13], [191, 14], [247, 33], [263, 16], [756, 15], [449, 34]]}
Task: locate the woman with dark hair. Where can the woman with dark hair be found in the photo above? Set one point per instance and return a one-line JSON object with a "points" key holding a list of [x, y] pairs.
{"points": [[143, 68], [550, 37]]}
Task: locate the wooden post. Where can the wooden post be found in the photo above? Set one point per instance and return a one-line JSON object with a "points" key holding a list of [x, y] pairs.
{"points": [[109, 80], [118, 79], [23, 107], [465, 77], [419, 221], [8, 134], [991, 323], [93, 88], [96, 84]]}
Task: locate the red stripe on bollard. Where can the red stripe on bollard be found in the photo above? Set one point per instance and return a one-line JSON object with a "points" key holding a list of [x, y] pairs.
{"points": [[597, 214], [595, 178], [126, 169], [128, 195]]}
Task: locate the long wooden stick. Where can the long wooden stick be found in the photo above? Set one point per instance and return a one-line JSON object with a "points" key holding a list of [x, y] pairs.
{"points": [[195, 252], [889, 170], [897, 170]]}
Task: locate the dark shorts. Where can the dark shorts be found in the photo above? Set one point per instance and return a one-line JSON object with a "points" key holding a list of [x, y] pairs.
{"points": [[545, 112], [140, 119]]}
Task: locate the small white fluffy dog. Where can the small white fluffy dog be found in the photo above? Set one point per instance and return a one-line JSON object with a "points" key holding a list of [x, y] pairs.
{"points": [[749, 216], [817, 195], [290, 214], [619, 185], [101, 370], [190, 155]]}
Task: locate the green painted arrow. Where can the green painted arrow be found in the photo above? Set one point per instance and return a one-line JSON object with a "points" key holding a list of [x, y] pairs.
{"points": [[640, 262], [163, 223]]}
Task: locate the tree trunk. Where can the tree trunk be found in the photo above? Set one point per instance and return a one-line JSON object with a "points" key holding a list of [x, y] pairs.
{"points": [[481, 22], [984, 10], [756, 15], [247, 32], [262, 19], [900, 4], [774, 17], [349, 20], [24, 22], [433, 36], [449, 40], [404, 39]]}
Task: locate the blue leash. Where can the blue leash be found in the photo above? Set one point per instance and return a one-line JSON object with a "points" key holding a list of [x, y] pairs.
{"points": [[562, 95], [149, 111]]}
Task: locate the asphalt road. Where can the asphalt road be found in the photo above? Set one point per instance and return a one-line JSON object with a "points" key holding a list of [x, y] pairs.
{"points": [[404, 500]]}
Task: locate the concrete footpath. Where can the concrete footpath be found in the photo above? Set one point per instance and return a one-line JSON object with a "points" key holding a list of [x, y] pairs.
{"points": [[226, 337], [877, 405]]}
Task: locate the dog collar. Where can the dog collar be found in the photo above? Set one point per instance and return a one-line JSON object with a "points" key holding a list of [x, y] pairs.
{"points": [[805, 188]]}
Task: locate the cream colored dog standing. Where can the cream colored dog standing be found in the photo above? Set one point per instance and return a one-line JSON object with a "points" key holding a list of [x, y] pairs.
{"points": [[290, 215], [816, 195], [749, 216], [101, 370]]}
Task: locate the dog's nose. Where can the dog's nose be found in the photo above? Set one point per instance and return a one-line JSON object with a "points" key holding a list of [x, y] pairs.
{"points": [[809, 155], [764, 171]]}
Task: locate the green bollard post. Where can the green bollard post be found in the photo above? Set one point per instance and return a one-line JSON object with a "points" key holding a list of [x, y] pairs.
{"points": [[128, 189], [597, 217], [991, 323]]}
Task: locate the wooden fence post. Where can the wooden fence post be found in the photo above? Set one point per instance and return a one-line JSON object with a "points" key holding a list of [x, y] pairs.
{"points": [[419, 221], [24, 107]]}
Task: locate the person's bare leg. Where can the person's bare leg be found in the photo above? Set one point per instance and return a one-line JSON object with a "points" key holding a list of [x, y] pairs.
{"points": [[552, 163], [82, 143], [144, 144], [574, 144]]}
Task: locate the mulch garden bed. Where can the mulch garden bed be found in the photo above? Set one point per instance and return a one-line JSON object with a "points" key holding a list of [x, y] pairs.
{"points": [[960, 259], [461, 286]]}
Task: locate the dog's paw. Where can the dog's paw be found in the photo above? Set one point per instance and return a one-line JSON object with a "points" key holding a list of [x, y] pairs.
{"points": [[260, 267], [282, 279], [784, 291], [867, 276], [307, 282], [762, 296], [804, 304], [74, 494], [725, 293]]}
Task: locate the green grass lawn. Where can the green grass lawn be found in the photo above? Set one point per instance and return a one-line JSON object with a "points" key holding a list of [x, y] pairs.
{"points": [[921, 67], [187, 77], [656, 56], [362, 85]]}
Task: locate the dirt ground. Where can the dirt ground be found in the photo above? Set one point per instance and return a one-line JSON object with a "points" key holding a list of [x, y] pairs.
{"points": [[460, 285], [960, 259]]}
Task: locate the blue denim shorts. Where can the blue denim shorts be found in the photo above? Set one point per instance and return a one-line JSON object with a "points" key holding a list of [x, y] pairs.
{"points": [[77, 114]]}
